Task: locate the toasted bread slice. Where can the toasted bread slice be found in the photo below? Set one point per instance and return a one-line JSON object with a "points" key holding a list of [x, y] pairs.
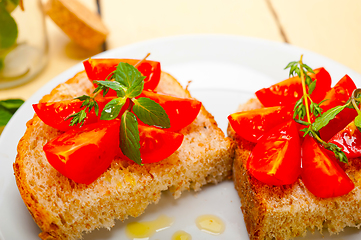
{"points": [[64, 209], [284, 212], [81, 25]]}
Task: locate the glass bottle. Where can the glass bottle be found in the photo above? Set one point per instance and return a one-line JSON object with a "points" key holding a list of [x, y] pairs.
{"points": [[23, 41]]}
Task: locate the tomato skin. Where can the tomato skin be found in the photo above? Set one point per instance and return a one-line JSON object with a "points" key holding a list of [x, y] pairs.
{"points": [[252, 125], [84, 154], [323, 84], [290, 90], [99, 69], [181, 111], [349, 140], [338, 95], [276, 158], [321, 174], [156, 144], [55, 114]]}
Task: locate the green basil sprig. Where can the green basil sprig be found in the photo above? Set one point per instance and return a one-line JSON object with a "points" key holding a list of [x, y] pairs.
{"points": [[128, 83]]}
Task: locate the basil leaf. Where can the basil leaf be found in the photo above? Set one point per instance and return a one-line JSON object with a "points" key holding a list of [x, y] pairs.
{"points": [[8, 108], [358, 122], [112, 85], [126, 74], [5, 116], [150, 112], [8, 28], [129, 137], [136, 88], [112, 109], [326, 117], [11, 104]]}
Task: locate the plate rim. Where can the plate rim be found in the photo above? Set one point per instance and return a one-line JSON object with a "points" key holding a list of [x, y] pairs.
{"points": [[191, 37]]}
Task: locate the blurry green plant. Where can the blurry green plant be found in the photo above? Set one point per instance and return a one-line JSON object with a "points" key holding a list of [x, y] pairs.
{"points": [[7, 110], [8, 28]]}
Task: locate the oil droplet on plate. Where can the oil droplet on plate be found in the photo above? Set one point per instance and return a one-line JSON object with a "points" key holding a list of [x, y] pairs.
{"points": [[144, 230], [181, 235], [210, 224]]}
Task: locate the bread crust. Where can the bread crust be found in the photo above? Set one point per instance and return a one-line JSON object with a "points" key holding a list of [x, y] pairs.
{"points": [[285, 212], [64, 209]]}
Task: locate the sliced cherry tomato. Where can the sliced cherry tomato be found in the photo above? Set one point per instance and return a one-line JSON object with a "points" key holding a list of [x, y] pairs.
{"points": [[99, 69], [252, 125], [290, 90], [321, 174], [349, 140], [156, 144], [55, 114], [338, 95], [323, 84], [276, 158], [181, 111], [84, 154]]}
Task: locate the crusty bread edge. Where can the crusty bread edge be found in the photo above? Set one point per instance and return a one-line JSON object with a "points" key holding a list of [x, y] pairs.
{"points": [[36, 210]]}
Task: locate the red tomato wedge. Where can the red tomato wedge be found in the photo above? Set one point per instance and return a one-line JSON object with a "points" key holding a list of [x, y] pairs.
{"points": [[252, 125], [321, 174], [276, 158], [156, 144], [84, 154], [55, 114], [338, 95], [290, 90], [99, 69], [181, 111], [349, 140]]}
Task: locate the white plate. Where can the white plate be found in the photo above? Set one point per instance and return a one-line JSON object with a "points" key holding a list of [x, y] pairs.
{"points": [[225, 71]]}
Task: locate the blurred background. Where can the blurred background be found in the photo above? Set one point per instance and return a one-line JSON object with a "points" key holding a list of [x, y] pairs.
{"points": [[328, 27]]}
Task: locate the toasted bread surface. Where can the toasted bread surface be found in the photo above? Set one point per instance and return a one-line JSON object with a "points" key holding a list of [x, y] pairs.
{"points": [[64, 209], [285, 212]]}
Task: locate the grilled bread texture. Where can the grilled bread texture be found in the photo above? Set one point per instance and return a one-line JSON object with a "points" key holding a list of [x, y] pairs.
{"points": [[64, 209], [285, 212]]}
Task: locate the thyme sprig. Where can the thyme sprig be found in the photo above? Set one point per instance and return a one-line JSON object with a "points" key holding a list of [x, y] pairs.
{"points": [[302, 109], [88, 104]]}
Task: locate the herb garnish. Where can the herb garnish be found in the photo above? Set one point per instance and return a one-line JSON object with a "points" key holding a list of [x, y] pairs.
{"points": [[128, 83], [8, 28], [303, 109], [7, 109]]}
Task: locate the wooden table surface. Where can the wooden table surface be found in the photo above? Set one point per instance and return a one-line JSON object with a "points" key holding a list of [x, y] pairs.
{"points": [[328, 27]]}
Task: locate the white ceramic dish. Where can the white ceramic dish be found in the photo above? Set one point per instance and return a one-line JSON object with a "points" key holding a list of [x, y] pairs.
{"points": [[225, 71]]}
